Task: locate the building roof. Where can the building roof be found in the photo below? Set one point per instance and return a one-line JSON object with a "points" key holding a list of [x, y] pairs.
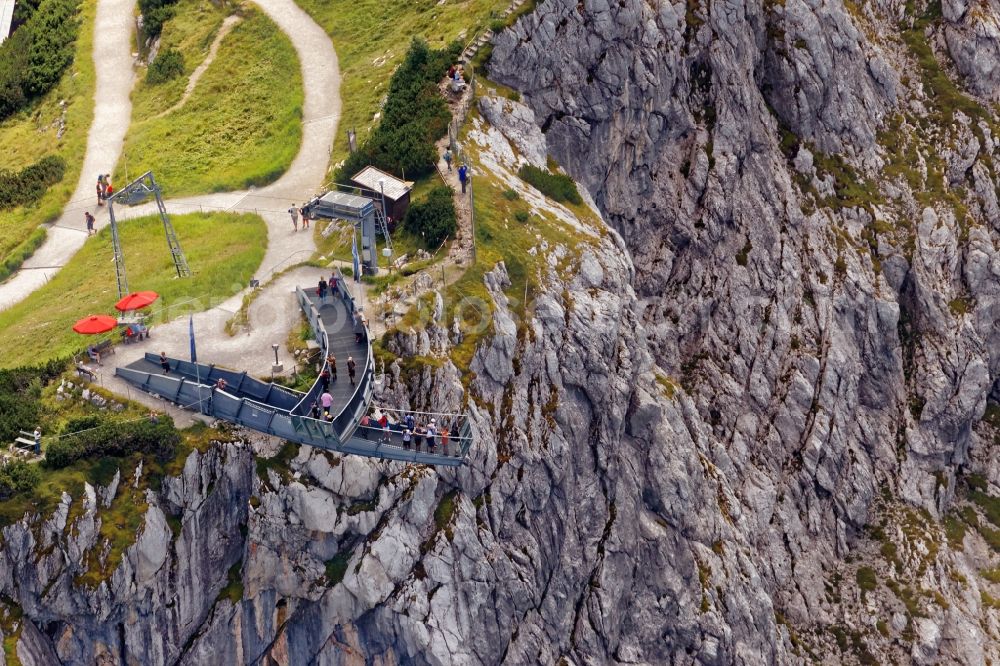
{"points": [[395, 188], [344, 203]]}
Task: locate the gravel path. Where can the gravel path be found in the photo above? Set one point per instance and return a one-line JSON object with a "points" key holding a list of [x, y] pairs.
{"points": [[115, 77], [112, 113]]}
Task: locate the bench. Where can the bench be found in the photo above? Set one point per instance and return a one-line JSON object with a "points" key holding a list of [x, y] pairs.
{"points": [[86, 371], [102, 348], [25, 441]]}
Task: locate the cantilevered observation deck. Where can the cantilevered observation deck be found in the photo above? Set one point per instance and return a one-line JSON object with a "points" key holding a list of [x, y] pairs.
{"points": [[283, 412]]}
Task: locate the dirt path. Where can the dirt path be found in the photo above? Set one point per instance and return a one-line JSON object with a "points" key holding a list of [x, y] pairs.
{"points": [[305, 176], [227, 25]]}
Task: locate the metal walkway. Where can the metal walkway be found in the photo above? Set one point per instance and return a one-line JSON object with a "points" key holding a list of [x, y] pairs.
{"points": [[283, 412]]}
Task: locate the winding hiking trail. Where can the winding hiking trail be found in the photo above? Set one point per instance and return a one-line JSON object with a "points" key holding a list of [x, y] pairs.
{"points": [[112, 115], [227, 26]]}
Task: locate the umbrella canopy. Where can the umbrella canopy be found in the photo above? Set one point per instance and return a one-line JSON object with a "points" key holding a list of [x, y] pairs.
{"points": [[95, 324], [136, 300]]}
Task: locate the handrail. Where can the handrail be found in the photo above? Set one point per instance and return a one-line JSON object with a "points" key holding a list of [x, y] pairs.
{"points": [[393, 410]]}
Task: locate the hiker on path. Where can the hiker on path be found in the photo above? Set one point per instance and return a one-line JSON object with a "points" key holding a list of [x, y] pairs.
{"points": [[305, 218], [90, 222], [351, 367], [294, 212], [100, 190], [38, 440], [447, 157], [463, 175], [322, 290]]}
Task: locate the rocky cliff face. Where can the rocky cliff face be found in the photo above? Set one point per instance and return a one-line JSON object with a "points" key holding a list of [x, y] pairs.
{"points": [[745, 424], [806, 191], [71, 596]]}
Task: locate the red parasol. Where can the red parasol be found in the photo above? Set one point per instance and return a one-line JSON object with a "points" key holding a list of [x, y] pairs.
{"points": [[136, 300], [95, 324]]}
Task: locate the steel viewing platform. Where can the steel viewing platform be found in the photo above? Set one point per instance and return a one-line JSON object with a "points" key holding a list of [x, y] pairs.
{"points": [[276, 410]]}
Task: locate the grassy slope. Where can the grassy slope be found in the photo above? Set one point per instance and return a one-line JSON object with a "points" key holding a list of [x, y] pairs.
{"points": [[39, 327], [31, 134], [371, 38], [242, 125], [191, 31]]}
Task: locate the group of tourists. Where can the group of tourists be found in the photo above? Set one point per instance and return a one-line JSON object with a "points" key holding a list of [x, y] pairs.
{"points": [[104, 188], [295, 212], [414, 433], [463, 170], [329, 372], [327, 287]]}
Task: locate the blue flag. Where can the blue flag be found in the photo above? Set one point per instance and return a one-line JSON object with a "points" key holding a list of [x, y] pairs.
{"points": [[354, 253], [194, 353]]}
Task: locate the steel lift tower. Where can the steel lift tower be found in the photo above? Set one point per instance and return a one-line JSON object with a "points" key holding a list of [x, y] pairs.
{"points": [[139, 190]]}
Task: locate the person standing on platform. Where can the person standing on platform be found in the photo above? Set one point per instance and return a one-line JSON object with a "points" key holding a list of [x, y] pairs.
{"points": [[351, 367], [294, 212]]}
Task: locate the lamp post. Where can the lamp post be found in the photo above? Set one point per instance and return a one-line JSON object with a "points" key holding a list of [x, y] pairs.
{"points": [[277, 368]]}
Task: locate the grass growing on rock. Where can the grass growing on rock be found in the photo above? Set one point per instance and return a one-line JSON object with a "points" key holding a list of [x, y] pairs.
{"points": [[32, 134], [501, 237], [337, 567], [223, 250], [242, 125]]}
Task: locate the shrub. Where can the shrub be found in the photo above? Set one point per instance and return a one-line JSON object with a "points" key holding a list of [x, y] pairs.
{"points": [[434, 217], [510, 195], [154, 14], [34, 58], [112, 438], [30, 183], [168, 64], [414, 117], [521, 216], [21, 253], [556, 186], [81, 423], [16, 477], [20, 390]]}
